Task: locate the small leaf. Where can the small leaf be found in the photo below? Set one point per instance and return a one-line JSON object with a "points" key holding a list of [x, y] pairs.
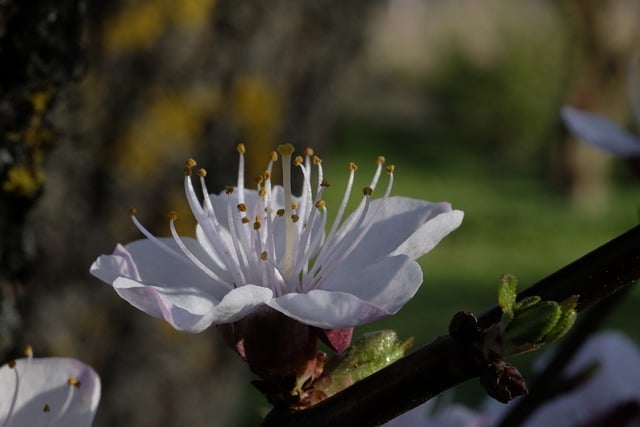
{"points": [[507, 292]]}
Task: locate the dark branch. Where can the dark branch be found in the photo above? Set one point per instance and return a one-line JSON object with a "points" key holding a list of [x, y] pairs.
{"points": [[444, 363]]}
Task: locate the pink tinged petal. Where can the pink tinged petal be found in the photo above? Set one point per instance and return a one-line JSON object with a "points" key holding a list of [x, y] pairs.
{"points": [[600, 132], [37, 392], [185, 308], [430, 234], [145, 262], [327, 310]]}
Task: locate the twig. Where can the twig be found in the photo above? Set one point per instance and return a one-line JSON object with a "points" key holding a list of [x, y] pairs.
{"points": [[443, 363]]}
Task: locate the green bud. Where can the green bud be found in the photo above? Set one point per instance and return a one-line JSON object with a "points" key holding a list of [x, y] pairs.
{"points": [[531, 325], [366, 355]]}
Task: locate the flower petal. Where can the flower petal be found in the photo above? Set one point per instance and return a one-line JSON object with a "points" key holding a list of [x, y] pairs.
{"points": [[600, 132], [185, 308], [327, 310], [430, 234], [35, 384], [240, 302], [145, 262], [388, 284], [395, 222]]}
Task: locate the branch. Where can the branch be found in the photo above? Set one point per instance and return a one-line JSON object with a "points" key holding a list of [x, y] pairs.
{"points": [[443, 364]]}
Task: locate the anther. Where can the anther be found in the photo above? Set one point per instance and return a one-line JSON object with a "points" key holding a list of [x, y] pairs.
{"points": [[316, 160], [353, 167], [295, 218], [241, 148], [187, 171], [245, 220], [367, 191], [28, 351], [285, 149], [298, 161], [259, 179], [274, 156], [380, 160], [264, 256], [320, 204], [294, 205], [324, 183], [257, 225], [11, 363], [308, 152], [46, 408], [242, 207], [391, 168], [228, 189], [173, 215], [132, 211], [190, 163], [267, 175], [73, 381], [202, 172], [262, 192], [280, 212]]}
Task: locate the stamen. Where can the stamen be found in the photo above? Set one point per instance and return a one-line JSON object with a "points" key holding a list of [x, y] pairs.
{"points": [[264, 256], [308, 152], [202, 172], [28, 351], [240, 185], [73, 381], [242, 207], [290, 238]]}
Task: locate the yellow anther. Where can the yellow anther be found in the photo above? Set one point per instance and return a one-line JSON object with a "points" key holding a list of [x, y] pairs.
{"points": [[245, 220], [317, 160], [391, 168], [262, 192], [367, 191], [308, 152], [267, 175], [190, 163], [73, 381], [173, 215], [264, 256], [241, 148], [259, 179], [202, 172], [228, 189], [132, 211], [242, 207], [294, 205], [46, 408], [324, 183], [28, 351], [11, 363], [380, 160], [295, 218], [257, 225], [298, 161], [280, 212], [187, 171], [320, 204], [285, 149], [274, 156], [353, 167]]}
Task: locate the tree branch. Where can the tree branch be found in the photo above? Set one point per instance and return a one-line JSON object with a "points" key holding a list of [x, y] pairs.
{"points": [[444, 363]]}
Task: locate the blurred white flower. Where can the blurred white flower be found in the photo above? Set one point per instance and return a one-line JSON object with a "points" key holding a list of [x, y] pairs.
{"points": [[616, 382], [39, 392], [603, 133], [265, 247]]}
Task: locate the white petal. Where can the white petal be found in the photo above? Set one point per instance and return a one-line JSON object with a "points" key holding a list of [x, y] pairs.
{"points": [[327, 310], [388, 284], [240, 302], [33, 383], [397, 220], [145, 262], [185, 308], [430, 234], [600, 132]]}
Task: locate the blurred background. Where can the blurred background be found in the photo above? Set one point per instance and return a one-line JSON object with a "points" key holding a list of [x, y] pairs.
{"points": [[102, 102]]}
